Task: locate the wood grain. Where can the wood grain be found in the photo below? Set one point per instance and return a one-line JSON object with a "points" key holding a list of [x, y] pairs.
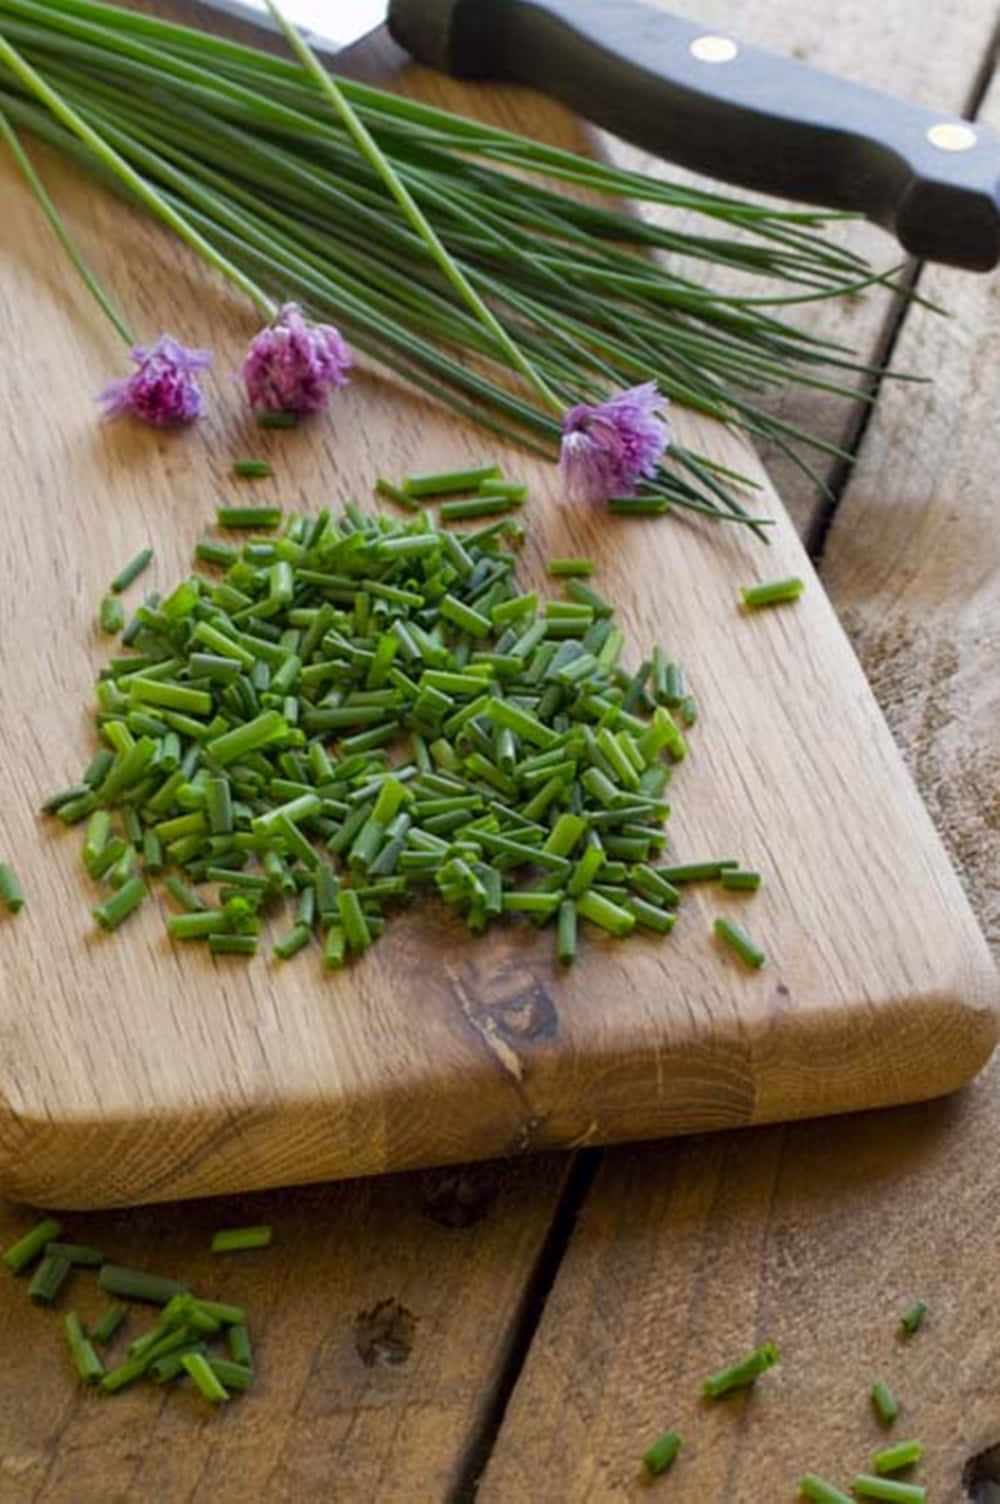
{"points": [[131, 1071], [818, 1235]]}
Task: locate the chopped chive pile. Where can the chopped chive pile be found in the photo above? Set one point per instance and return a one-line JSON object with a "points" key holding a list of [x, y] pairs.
{"points": [[773, 593], [177, 1344], [343, 712], [663, 1453]]}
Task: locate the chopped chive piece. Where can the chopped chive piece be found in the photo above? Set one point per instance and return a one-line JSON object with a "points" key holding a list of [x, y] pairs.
{"points": [[476, 506], [136, 1284], [866, 1486], [236, 1239], [107, 1324], [111, 616], [24, 1252], [276, 419], [48, 1280], [116, 909], [11, 895], [513, 490], [223, 944], [123, 1375], [238, 1342], [88, 1364], [170, 1366], [396, 494], [663, 1453], [248, 517], [601, 911], [736, 937], [885, 1404], [76, 1253], [912, 1317], [189, 900], [566, 932], [771, 594], [447, 482], [694, 872], [231, 1375], [132, 570], [252, 469], [198, 1367], [335, 947], [816, 1489], [892, 1459], [353, 922], [296, 939], [742, 1373], [570, 568], [739, 881]]}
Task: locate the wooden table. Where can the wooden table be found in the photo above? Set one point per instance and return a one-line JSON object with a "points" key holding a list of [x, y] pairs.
{"points": [[519, 1332]]}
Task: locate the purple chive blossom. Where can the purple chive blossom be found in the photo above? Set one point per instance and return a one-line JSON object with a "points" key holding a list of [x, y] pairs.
{"points": [[163, 390], [292, 364], [609, 447]]}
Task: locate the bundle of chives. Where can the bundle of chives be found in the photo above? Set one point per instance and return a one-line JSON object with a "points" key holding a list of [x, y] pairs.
{"points": [[358, 710], [241, 153]]}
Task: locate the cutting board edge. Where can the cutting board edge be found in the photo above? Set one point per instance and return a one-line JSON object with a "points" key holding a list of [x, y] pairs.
{"points": [[897, 1051]]}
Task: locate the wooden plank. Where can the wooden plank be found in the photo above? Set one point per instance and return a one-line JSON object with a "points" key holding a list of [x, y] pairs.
{"points": [[380, 1319], [818, 1235], [887, 47], [298, 1075]]}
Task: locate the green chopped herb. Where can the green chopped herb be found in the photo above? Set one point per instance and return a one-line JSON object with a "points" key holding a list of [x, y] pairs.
{"points": [[24, 1252], [447, 482], [742, 1373], [269, 419], [136, 1284], [663, 1453], [88, 1364], [736, 937], [774, 593], [111, 615], [76, 1253], [107, 1324], [885, 1404], [132, 570], [248, 517], [252, 469], [198, 1367], [48, 1280], [571, 568], [235, 1240], [866, 1486], [892, 1459], [11, 895], [816, 1489], [913, 1317]]}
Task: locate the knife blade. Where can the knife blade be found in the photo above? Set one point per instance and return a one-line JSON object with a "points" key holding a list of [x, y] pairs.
{"points": [[329, 26]]}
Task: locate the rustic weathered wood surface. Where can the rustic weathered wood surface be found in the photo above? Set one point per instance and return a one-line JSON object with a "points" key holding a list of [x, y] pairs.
{"points": [[863, 1213], [208, 1076]]}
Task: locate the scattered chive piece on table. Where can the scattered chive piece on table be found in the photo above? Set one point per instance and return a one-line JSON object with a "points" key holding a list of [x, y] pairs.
{"points": [[77, 1253], [238, 1342], [885, 1403], [892, 1490], [231, 1375], [107, 1324], [742, 1373], [136, 1284], [912, 1318], [816, 1489], [88, 1364], [111, 615], [386, 488], [774, 593], [198, 1367], [276, 420], [571, 569], [736, 937], [663, 1452], [740, 882], [252, 469], [447, 482], [11, 895], [476, 506], [132, 570], [24, 1252], [48, 1279], [903, 1454], [248, 517], [236, 1239]]}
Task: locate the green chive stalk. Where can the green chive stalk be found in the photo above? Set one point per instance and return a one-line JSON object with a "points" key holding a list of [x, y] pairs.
{"points": [[245, 151]]}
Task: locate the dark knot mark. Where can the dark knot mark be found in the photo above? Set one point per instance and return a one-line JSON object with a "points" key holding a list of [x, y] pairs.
{"points": [[385, 1334]]}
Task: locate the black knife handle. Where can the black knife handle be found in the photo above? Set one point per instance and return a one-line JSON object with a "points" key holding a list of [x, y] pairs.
{"points": [[750, 117]]}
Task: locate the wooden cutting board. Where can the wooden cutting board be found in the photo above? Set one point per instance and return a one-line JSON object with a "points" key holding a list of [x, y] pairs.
{"points": [[134, 1071]]}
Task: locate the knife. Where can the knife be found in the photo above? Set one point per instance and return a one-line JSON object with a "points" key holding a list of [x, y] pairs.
{"points": [[710, 103]]}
